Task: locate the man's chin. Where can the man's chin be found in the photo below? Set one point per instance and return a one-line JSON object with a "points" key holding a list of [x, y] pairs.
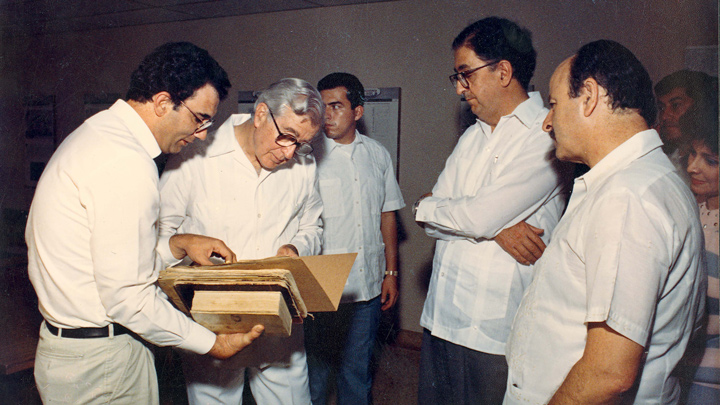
{"points": [[670, 135], [271, 164]]}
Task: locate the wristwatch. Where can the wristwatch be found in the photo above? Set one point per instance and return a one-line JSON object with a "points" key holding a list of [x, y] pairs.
{"points": [[391, 273], [415, 206]]}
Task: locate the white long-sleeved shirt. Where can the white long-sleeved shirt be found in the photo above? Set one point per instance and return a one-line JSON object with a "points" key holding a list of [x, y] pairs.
{"points": [[357, 184], [212, 189], [628, 252], [491, 181], [91, 234]]}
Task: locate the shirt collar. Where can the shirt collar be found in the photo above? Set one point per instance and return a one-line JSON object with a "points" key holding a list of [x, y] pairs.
{"points": [[138, 128], [331, 144], [223, 140], [526, 112], [632, 149]]}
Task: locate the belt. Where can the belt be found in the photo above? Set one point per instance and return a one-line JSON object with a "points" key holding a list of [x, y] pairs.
{"points": [[87, 333]]}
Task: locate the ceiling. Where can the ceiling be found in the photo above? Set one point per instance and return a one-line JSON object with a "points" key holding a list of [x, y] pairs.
{"points": [[41, 17]]}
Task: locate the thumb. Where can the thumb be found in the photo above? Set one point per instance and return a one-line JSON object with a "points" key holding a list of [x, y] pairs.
{"points": [[253, 334]]}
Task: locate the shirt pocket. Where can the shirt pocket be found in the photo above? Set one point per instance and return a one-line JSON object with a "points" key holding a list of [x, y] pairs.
{"points": [[331, 194], [483, 286]]}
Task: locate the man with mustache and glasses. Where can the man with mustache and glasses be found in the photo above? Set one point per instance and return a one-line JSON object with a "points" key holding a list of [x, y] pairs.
{"points": [[253, 185], [492, 211]]}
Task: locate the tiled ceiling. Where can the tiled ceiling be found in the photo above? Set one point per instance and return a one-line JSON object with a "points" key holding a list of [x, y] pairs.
{"points": [[39, 17]]}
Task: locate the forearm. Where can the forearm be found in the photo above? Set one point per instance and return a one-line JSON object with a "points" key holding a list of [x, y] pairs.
{"points": [[145, 310], [606, 370], [512, 195], [584, 385], [389, 289], [388, 229]]}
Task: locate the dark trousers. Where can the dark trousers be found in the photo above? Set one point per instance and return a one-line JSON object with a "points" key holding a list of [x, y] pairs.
{"points": [[453, 374]]}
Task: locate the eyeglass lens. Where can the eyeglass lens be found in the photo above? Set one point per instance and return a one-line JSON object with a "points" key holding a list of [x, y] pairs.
{"points": [[302, 148], [203, 123]]}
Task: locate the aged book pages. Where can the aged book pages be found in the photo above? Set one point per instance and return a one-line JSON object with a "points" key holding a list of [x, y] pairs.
{"points": [[239, 311]]}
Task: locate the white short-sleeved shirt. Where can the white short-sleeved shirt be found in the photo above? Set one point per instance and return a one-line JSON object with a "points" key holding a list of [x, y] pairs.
{"points": [[211, 188], [628, 252], [491, 181], [357, 184], [92, 234]]}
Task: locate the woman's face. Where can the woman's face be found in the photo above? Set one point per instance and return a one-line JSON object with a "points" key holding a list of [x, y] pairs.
{"points": [[703, 170]]}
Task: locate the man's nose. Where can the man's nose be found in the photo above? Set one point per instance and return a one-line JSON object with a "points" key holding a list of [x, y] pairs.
{"points": [[547, 123], [201, 134], [288, 151]]}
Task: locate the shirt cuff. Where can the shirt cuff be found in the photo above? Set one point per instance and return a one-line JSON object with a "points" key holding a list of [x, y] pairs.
{"points": [[163, 249], [200, 340], [393, 205], [426, 209]]}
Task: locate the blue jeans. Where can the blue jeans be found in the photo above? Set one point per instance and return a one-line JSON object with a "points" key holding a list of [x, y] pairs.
{"points": [[343, 341]]}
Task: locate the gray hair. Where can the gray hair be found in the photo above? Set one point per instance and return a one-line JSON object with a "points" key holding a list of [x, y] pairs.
{"points": [[300, 96]]}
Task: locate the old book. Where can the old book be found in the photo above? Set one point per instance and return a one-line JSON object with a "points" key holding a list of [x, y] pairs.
{"points": [[306, 284], [239, 311]]}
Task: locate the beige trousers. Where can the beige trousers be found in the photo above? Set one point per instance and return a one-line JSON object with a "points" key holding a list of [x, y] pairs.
{"points": [[113, 370]]}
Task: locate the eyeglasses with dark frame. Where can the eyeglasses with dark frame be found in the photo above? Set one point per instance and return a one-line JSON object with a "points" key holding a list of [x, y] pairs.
{"points": [[462, 77], [302, 148], [203, 124]]}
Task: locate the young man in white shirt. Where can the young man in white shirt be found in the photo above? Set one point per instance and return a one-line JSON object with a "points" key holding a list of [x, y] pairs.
{"points": [[253, 185], [92, 238], [492, 211], [360, 196]]}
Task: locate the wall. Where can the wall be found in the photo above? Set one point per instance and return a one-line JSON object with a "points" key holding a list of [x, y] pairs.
{"points": [[402, 43]]}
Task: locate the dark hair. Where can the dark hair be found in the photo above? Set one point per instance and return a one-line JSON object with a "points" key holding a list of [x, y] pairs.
{"points": [[494, 39], [696, 84], [619, 72], [179, 68], [355, 89], [700, 122]]}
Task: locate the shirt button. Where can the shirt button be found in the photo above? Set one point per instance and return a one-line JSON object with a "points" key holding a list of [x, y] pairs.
{"points": [[259, 215]]}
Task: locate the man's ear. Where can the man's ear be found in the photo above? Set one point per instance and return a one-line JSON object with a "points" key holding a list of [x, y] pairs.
{"points": [[260, 114], [359, 111], [162, 103], [590, 96], [505, 71]]}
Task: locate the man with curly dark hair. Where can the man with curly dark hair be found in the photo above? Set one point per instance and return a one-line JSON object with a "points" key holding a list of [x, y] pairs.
{"points": [[93, 243]]}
